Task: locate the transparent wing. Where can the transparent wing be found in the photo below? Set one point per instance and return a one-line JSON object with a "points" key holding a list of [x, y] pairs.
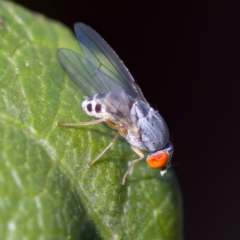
{"points": [[88, 77], [102, 56]]}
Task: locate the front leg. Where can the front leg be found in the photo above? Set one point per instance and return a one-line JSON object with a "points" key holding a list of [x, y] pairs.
{"points": [[80, 123]]}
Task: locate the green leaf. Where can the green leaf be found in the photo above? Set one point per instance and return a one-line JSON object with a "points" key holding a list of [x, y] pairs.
{"points": [[46, 190]]}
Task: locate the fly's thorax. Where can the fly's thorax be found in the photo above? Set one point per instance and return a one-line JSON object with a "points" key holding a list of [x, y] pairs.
{"points": [[153, 130]]}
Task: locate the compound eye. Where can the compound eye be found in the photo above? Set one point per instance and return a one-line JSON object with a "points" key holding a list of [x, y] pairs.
{"points": [[158, 160]]}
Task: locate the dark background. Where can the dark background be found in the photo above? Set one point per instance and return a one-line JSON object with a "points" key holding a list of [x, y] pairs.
{"points": [[186, 58]]}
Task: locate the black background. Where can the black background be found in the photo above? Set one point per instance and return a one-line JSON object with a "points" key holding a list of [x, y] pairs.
{"points": [[186, 59]]}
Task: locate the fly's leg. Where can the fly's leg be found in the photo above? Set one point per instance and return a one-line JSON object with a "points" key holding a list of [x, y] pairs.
{"points": [[121, 132], [114, 126], [141, 156], [101, 154], [80, 123]]}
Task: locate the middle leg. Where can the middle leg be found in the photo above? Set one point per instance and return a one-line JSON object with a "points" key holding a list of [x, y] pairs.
{"points": [[101, 154]]}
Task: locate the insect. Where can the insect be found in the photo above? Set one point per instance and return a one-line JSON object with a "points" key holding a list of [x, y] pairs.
{"points": [[115, 98]]}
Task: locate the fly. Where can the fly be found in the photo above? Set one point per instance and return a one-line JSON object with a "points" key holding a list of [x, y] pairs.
{"points": [[116, 99]]}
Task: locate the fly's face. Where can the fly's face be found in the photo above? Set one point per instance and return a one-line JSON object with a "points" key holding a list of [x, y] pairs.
{"points": [[116, 99]]}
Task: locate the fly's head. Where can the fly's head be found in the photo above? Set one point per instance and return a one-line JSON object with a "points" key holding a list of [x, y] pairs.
{"points": [[161, 159]]}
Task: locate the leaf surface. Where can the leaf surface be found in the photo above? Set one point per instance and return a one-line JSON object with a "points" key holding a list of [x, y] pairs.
{"points": [[46, 188]]}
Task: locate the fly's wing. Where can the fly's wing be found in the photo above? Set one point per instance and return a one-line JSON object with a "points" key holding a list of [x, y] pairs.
{"points": [[102, 56], [88, 77]]}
